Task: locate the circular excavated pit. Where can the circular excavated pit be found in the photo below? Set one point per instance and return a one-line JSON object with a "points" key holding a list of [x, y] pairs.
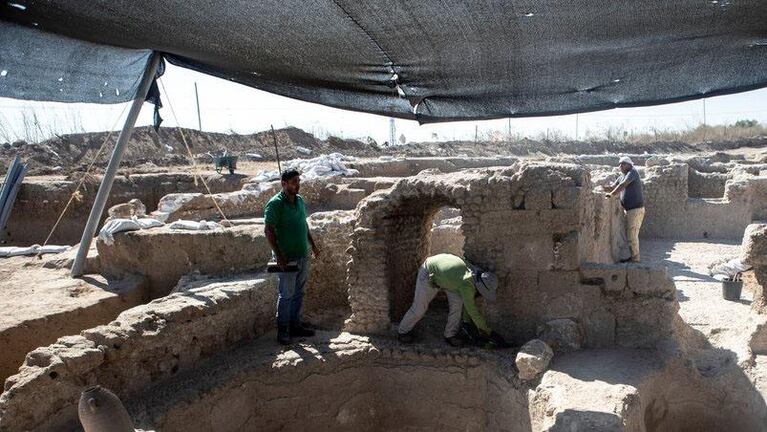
{"points": [[356, 387]]}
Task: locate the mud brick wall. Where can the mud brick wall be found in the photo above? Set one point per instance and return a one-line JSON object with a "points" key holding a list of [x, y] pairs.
{"points": [[706, 185], [40, 202], [533, 225], [142, 346], [670, 213]]}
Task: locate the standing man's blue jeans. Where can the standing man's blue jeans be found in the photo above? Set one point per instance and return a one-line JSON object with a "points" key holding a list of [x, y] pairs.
{"points": [[291, 293]]}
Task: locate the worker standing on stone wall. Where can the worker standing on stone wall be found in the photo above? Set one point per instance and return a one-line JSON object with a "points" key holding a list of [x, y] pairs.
{"points": [[629, 186], [460, 282], [288, 235]]}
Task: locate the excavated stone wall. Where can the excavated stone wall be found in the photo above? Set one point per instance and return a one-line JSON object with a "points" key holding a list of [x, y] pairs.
{"points": [[672, 213], [706, 185], [40, 201], [163, 255], [412, 166], [319, 195], [326, 290], [547, 214], [446, 235], [347, 383], [142, 346]]}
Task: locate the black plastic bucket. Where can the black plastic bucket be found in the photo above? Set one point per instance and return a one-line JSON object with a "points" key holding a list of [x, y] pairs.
{"points": [[731, 289]]}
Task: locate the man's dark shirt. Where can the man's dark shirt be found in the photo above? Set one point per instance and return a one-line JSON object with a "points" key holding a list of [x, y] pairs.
{"points": [[632, 196]]}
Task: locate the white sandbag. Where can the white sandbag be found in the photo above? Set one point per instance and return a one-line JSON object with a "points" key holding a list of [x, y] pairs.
{"points": [[12, 251], [115, 226], [195, 226], [53, 249], [147, 222], [729, 269]]}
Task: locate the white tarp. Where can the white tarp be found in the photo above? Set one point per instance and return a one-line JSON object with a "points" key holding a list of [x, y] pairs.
{"points": [[329, 165]]}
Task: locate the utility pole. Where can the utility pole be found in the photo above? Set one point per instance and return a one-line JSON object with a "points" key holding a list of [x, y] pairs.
{"points": [[705, 122], [197, 99], [392, 131], [576, 126], [476, 133], [509, 127]]}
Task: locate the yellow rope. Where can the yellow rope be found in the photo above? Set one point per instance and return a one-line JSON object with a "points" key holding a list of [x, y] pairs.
{"points": [[195, 171], [85, 176]]}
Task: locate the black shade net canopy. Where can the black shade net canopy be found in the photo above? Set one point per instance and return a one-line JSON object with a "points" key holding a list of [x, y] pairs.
{"points": [[428, 60]]}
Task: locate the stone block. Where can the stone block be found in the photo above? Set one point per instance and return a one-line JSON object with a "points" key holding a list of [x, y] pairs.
{"points": [[566, 251], [642, 323], [599, 329], [649, 281], [557, 281], [530, 252], [612, 277], [563, 296], [561, 334], [565, 198], [538, 199], [754, 247]]}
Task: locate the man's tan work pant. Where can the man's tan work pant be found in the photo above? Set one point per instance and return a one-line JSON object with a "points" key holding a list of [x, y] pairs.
{"points": [[634, 220], [425, 291]]}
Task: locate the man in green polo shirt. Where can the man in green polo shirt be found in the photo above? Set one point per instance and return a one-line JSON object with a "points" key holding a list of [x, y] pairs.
{"points": [[461, 282], [289, 237]]}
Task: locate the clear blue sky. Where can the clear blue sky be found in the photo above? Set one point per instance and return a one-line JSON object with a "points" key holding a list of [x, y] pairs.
{"points": [[226, 106]]}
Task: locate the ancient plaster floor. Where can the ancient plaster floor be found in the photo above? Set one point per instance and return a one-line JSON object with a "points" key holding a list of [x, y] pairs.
{"points": [[702, 306]]}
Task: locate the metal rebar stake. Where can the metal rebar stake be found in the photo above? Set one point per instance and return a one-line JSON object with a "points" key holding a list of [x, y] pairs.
{"points": [[114, 163]]}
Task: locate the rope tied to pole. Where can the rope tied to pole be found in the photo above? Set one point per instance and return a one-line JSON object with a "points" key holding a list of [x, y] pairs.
{"points": [[195, 169], [85, 176]]}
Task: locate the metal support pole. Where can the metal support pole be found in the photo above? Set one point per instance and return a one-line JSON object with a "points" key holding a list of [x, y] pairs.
{"points": [[114, 163], [197, 99]]}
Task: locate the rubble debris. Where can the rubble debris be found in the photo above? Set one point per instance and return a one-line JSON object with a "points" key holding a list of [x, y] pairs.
{"points": [[533, 359]]}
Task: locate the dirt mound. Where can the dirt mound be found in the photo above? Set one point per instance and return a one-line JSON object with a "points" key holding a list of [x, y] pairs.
{"points": [[67, 153], [526, 147]]}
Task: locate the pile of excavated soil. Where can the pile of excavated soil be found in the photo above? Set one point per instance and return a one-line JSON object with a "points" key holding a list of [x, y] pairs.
{"points": [[148, 148], [166, 148]]}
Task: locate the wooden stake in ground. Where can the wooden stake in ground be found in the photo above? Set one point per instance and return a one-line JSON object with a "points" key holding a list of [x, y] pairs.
{"points": [[276, 150]]}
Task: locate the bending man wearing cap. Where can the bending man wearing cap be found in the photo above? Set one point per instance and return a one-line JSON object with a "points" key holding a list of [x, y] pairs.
{"points": [[629, 186], [460, 282]]}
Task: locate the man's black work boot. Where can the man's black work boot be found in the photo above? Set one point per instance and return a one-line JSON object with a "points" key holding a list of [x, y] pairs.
{"points": [[298, 330], [283, 335], [454, 341]]}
